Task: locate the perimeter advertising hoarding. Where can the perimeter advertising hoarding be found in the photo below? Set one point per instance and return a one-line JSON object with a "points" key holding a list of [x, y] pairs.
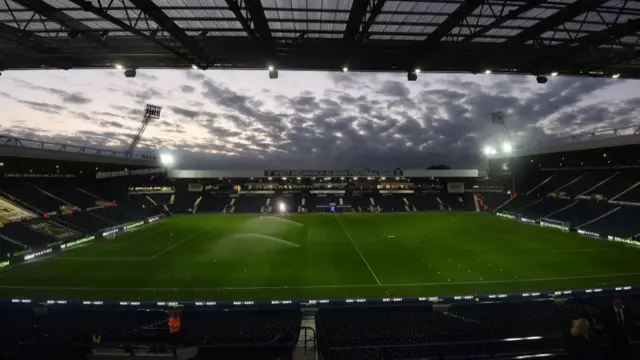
{"points": [[332, 173]]}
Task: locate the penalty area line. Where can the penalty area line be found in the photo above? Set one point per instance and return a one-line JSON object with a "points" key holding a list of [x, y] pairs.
{"points": [[313, 286]]}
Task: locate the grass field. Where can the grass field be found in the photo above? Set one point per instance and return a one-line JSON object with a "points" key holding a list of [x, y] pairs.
{"points": [[319, 256]]}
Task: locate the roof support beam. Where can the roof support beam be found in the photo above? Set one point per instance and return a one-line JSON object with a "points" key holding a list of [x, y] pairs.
{"points": [[583, 48], [87, 6], [459, 14], [356, 18], [503, 19], [23, 38], [558, 18], [156, 14], [256, 25], [357, 28], [51, 13]]}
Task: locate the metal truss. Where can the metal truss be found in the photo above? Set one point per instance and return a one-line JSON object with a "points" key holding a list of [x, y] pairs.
{"points": [[554, 21], [586, 37], [153, 12], [255, 24], [6, 140], [358, 26]]}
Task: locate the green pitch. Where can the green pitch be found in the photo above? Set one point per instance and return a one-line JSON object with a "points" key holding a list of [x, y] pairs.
{"points": [[319, 256]]}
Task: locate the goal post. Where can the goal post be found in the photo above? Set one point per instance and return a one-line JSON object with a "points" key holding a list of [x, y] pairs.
{"points": [[556, 224]]}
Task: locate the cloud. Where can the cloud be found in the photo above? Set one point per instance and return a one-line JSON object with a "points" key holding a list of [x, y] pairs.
{"points": [[187, 89], [315, 120], [185, 112]]}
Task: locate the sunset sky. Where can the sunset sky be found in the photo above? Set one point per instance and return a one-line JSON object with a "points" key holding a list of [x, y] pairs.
{"points": [[241, 119]]}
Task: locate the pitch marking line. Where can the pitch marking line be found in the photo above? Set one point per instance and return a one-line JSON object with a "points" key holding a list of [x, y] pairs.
{"points": [[136, 258], [178, 244], [357, 249], [313, 286], [528, 242]]}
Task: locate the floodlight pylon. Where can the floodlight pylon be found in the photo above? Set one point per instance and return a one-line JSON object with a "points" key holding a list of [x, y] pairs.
{"points": [[151, 112]]}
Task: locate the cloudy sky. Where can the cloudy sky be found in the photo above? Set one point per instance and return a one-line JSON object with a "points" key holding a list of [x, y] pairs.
{"points": [[241, 119]]}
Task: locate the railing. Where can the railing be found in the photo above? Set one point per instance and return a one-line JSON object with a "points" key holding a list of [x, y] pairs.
{"points": [[307, 341]]}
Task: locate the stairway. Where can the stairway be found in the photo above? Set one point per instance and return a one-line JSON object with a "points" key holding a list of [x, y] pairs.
{"points": [[51, 195]]}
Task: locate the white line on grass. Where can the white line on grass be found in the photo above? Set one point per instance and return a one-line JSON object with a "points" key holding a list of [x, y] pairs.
{"points": [[357, 249], [528, 242], [312, 286], [178, 244], [104, 258], [590, 249]]}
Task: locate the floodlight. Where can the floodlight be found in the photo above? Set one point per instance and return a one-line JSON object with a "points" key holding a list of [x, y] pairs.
{"points": [[194, 67], [489, 150], [555, 73], [615, 76], [271, 68], [282, 207], [417, 71], [345, 69], [166, 159], [119, 66], [487, 71], [507, 147]]}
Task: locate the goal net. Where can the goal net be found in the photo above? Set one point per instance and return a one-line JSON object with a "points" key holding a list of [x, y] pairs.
{"points": [[556, 224]]}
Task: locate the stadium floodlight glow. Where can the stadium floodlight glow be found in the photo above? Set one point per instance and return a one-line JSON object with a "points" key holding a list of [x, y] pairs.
{"points": [[282, 207], [119, 66], [271, 68], [345, 69], [487, 71], [194, 67], [488, 150], [166, 159], [615, 76], [507, 147], [555, 73], [417, 71]]}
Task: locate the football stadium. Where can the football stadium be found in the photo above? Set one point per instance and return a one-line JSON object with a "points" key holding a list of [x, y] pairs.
{"points": [[109, 252]]}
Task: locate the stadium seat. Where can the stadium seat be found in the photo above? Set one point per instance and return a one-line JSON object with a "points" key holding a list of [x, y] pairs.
{"points": [[241, 327], [250, 204], [622, 223], [583, 212]]}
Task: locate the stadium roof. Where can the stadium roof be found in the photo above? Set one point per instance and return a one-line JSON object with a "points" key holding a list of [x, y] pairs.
{"points": [[596, 37]]}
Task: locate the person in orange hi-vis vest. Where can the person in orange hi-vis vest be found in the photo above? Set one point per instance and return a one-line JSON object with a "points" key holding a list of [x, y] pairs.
{"points": [[174, 325]]}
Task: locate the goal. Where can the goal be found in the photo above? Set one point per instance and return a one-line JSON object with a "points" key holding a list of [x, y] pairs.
{"points": [[556, 224]]}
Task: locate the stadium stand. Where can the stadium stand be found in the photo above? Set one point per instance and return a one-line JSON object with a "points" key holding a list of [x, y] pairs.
{"points": [[42, 212]]}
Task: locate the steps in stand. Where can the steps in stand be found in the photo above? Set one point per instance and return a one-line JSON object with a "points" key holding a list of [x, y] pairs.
{"points": [[195, 204], [51, 195], [504, 204], [600, 217], [2, 236], [19, 203], [542, 183], [625, 191], [88, 193]]}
